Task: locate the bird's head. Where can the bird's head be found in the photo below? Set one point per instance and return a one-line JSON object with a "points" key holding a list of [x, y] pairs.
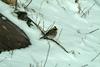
{"points": [[55, 28]]}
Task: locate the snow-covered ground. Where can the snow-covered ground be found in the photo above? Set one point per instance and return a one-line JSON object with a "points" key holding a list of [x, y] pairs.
{"points": [[75, 36]]}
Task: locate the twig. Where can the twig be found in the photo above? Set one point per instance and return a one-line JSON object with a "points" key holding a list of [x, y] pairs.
{"points": [[84, 36], [47, 54], [93, 31], [95, 57], [42, 4], [37, 26], [84, 65], [28, 4], [57, 44], [87, 12]]}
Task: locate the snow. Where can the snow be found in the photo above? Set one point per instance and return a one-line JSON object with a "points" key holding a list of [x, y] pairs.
{"points": [[73, 37]]}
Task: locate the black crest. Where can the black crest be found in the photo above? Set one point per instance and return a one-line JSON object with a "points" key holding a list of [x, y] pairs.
{"points": [[11, 36]]}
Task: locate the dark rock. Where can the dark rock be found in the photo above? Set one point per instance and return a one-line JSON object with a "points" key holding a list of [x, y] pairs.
{"points": [[11, 36]]}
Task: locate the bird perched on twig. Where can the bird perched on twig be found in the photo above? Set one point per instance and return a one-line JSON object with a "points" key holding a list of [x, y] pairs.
{"points": [[50, 33], [23, 16]]}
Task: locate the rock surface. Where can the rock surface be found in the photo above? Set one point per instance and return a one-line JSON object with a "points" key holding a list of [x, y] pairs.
{"points": [[11, 36]]}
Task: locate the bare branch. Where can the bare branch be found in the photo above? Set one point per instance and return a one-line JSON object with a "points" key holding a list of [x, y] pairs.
{"points": [[87, 11], [92, 31], [60, 5], [95, 57], [28, 4], [37, 26], [57, 44], [47, 54], [84, 65]]}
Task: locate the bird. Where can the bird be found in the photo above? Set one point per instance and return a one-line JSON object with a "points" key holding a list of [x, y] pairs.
{"points": [[22, 15], [50, 33]]}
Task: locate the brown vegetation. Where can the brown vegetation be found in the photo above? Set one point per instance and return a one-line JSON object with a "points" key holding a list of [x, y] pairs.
{"points": [[10, 2]]}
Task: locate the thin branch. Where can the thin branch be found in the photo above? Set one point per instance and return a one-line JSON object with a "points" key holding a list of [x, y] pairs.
{"points": [[28, 4], [84, 65], [37, 26], [95, 57], [57, 44], [87, 12], [47, 54], [83, 38], [60, 5], [42, 4], [92, 31]]}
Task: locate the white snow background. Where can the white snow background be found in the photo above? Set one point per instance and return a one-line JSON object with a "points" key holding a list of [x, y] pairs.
{"points": [[74, 35]]}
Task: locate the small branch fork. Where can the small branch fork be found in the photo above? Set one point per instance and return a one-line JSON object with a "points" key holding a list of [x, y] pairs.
{"points": [[84, 13], [57, 44]]}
